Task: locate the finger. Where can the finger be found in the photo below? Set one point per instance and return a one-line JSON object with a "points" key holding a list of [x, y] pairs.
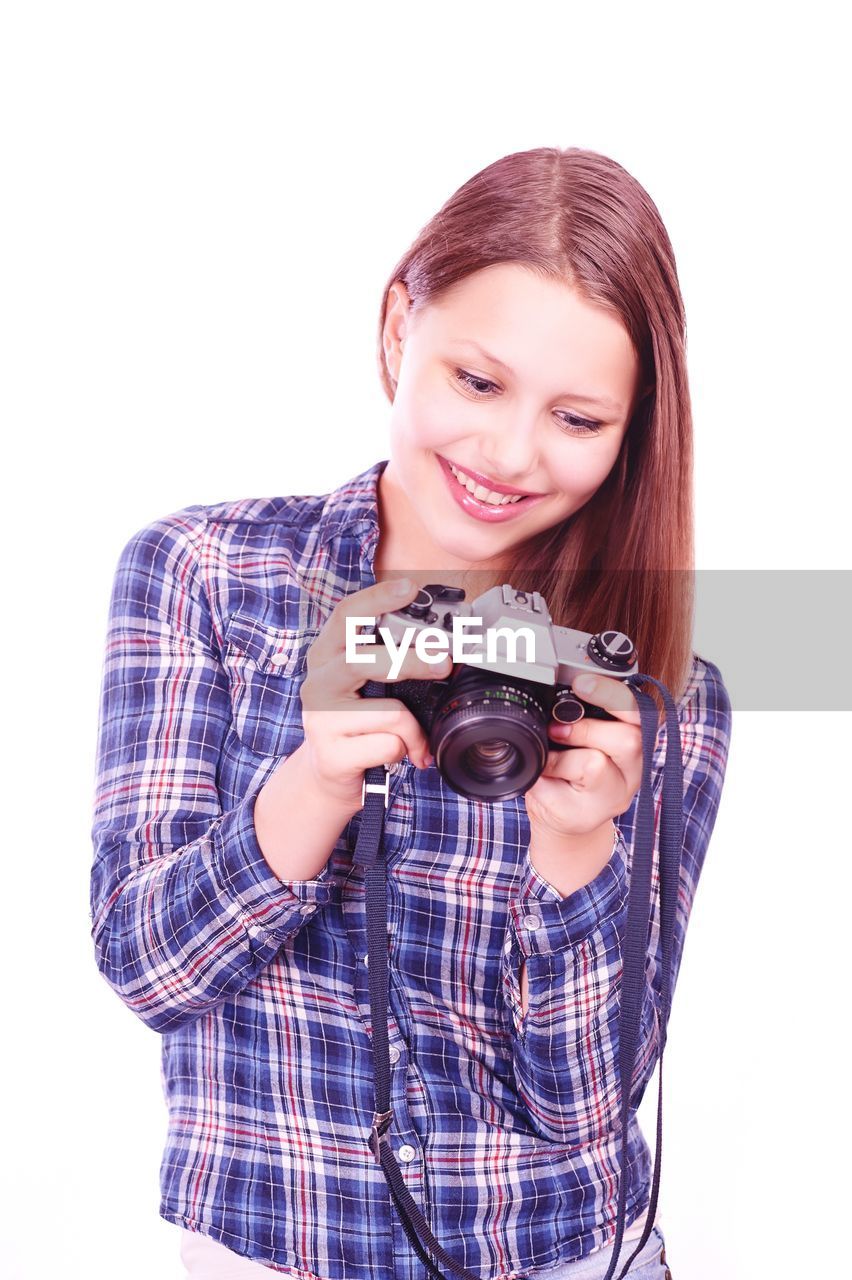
{"points": [[386, 669], [370, 717], [358, 754], [337, 681], [389, 715], [370, 602], [608, 693], [621, 742], [583, 768], [379, 748]]}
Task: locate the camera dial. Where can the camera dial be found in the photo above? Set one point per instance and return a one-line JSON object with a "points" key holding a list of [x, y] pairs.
{"points": [[421, 605], [567, 709], [612, 650]]}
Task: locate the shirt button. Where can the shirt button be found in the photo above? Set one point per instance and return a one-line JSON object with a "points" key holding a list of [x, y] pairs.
{"points": [[306, 908], [532, 922], [393, 1053], [406, 1154]]}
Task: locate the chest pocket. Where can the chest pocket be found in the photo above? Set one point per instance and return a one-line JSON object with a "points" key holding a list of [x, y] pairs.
{"points": [[266, 666]]}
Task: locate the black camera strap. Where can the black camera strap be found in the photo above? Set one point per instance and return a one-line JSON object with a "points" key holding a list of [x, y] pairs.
{"points": [[634, 944]]}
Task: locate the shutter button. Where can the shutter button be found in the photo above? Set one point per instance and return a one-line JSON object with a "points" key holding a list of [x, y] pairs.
{"points": [[406, 1154], [532, 922]]}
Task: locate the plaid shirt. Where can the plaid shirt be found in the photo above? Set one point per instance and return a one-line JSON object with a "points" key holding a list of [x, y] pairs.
{"points": [[505, 1126]]}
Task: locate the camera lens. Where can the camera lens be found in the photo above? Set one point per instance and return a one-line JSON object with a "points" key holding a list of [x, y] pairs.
{"points": [[491, 759], [489, 734]]}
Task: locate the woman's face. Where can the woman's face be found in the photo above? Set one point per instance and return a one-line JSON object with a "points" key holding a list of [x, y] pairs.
{"points": [[549, 420]]}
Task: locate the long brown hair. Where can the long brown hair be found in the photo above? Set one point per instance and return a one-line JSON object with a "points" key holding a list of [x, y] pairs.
{"points": [[626, 558]]}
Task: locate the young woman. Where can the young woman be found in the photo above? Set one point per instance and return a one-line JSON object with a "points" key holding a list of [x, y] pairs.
{"points": [[532, 347]]}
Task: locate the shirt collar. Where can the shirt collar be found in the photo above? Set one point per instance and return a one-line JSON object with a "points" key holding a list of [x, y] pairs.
{"points": [[355, 502]]}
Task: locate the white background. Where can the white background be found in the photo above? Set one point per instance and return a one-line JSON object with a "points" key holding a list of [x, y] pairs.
{"points": [[201, 205]]}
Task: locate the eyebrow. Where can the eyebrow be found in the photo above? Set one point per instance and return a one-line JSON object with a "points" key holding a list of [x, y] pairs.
{"points": [[602, 401]]}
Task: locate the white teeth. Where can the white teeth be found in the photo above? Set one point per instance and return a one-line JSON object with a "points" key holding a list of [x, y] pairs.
{"points": [[484, 495]]}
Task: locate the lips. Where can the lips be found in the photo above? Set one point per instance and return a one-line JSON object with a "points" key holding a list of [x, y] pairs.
{"points": [[492, 484], [486, 512]]}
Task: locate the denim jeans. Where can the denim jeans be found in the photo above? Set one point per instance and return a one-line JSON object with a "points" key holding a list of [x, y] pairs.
{"points": [[206, 1259], [650, 1264]]}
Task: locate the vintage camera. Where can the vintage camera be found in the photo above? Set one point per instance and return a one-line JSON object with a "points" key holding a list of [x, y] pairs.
{"points": [[487, 721]]}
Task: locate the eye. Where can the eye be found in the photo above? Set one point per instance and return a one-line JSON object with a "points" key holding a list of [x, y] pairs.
{"points": [[571, 422]]}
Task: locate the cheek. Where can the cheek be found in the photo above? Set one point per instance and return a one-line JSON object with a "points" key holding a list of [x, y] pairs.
{"points": [[425, 416], [579, 470]]}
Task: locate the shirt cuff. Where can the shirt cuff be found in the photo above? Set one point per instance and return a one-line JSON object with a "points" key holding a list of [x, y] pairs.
{"points": [[246, 877], [545, 922]]}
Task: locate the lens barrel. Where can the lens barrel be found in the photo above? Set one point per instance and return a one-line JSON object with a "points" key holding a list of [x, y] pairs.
{"points": [[489, 734]]}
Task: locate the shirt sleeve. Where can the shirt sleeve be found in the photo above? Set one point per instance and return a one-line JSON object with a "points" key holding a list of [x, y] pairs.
{"points": [[184, 909], [565, 1050]]}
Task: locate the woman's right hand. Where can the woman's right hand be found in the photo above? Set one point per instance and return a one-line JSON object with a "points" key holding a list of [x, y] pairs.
{"points": [[344, 732]]}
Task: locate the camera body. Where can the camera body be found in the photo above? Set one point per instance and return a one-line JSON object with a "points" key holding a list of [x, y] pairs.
{"points": [[487, 721]]}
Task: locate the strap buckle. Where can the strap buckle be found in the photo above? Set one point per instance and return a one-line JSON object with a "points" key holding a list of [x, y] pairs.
{"points": [[383, 787], [378, 1133]]}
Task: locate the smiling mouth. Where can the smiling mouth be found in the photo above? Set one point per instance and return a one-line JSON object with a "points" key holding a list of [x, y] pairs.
{"points": [[479, 491]]}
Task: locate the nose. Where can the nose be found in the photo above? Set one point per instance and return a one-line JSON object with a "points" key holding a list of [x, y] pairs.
{"points": [[510, 455]]}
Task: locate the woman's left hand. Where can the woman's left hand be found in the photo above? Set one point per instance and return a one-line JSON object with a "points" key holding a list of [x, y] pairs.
{"points": [[581, 789]]}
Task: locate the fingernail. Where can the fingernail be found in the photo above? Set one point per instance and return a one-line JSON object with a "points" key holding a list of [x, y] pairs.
{"points": [[563, 729], [402, 587], [585, 684]]}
